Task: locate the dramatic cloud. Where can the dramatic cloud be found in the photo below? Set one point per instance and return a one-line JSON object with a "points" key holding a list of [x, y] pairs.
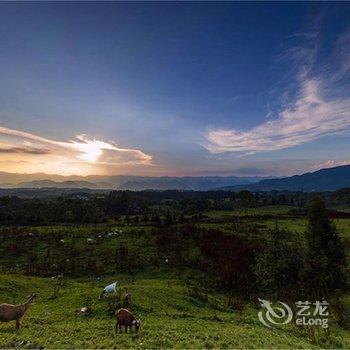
{"points": [[309, 118], [25, 150], [83, 153], [318, 109]]}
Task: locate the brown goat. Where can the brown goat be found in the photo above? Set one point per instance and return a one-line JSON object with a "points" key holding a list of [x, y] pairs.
{"points": [[127, 319], [10, 312]]}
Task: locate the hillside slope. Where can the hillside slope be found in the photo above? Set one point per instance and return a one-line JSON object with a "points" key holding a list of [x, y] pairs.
{"points": [[170, 319], [330, 179]]}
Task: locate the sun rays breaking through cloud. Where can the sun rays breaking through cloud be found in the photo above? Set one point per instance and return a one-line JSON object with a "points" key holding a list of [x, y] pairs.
{"points": [[84, 153]]}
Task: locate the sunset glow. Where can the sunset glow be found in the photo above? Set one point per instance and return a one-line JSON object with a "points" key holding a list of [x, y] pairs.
{"points": [[245, 95], [25, 152]]}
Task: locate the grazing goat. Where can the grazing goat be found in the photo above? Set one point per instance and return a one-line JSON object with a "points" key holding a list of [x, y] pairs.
{"points": [[110, 289], [127, 299], [83, 311], [10, 312], [127, 319]]}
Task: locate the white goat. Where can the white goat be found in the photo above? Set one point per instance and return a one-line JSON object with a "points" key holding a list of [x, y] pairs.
{"points": [[111, 288]]}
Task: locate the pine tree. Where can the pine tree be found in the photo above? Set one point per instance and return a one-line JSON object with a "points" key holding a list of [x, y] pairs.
{"points": [[325, 256], [278, 265]]}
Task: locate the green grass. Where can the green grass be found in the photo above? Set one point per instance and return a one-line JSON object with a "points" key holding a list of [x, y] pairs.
{"points": [[267, 210], [170, 319], [299, 225], [294, 225]]}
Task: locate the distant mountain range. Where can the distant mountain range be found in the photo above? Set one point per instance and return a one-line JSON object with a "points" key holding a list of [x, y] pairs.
{"points": [[122, 182], [185, 183], [63, 184], [322, 180], [329, 179]]}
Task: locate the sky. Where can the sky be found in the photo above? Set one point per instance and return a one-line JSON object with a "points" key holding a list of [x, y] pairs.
{"points": [[174, 88]]}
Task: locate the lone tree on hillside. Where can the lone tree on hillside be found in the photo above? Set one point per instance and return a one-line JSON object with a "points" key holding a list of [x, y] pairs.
{"points": [[325, 256], [278, 265]]}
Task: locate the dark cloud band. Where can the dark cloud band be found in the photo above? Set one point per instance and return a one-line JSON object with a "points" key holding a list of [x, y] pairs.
{"points": [[34, 151]]}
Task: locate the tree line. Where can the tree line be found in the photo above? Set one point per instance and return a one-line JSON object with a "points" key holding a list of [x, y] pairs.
{"points": [[81, 208]]}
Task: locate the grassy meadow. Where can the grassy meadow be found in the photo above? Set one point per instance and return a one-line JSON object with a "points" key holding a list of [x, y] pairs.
{"points": [[172, 315]]}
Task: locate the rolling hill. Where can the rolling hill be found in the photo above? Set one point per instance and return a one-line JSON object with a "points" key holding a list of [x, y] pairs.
{"points": [[63, 184], [122, 182], [329, 179]]}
